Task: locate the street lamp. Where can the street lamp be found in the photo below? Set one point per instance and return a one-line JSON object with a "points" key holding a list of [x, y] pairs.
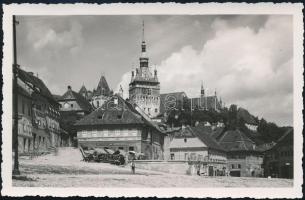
{"points": [[15, 74]]}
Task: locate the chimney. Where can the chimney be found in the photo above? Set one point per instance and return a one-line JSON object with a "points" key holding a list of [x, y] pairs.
{"points": [[31, 73], [155, 73], [69, 87], [132, 74]]}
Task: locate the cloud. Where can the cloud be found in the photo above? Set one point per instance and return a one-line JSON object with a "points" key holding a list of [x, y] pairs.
{"points": [[55, 42], [250, 67]]}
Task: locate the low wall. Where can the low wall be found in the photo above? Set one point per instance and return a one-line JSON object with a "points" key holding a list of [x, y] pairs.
{"points": [[173, 167]]}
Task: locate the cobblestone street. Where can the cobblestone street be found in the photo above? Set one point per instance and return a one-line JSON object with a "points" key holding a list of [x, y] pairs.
{"points": [[67, 170]]}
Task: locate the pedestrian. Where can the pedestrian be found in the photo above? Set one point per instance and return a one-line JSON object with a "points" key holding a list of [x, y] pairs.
{"points": [[133, 167], [198, 169]]}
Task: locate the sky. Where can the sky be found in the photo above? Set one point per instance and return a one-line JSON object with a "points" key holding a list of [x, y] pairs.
{"points": [[247, 59]]}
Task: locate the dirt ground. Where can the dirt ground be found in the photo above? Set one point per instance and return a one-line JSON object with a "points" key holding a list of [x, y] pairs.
{"points": [[66, 169]]}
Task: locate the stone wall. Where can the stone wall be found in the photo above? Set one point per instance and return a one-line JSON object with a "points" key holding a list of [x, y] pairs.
{"points": [[173, 167]]}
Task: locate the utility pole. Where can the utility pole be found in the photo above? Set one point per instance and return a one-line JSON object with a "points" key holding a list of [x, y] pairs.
{"points": [[15, 98]]}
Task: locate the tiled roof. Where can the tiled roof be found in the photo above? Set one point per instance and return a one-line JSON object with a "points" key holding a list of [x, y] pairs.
{"points": [[236, 140], [216, 133], [82, 101], [285, 139], [125, 113], [82, 90], [203, 135], [36, 82], [110, 115], [23, 91], [57, 97], [102, 87], [180, 143], [200, 133]]}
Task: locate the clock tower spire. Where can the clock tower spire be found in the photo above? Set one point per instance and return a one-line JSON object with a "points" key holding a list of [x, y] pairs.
{"points": [[144, 88], [143, 57]]}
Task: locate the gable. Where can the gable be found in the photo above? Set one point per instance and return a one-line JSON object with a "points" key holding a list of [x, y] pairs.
{"points": [[180, 143]]}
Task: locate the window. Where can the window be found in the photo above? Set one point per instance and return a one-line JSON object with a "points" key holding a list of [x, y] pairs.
{"points": [[117, 132], [29, 110], [97, 104], [239, 166], [156, 110], [94, 133], [38, 107], [66, 105], [131, 148], [34, 139], [172, 156], [71, 105], [106, 133], [186, 156], [232, 166], [24, 142], [23, 107], [121, 148]]}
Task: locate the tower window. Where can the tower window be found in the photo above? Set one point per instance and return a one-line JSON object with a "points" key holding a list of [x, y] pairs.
{"points": [[156, 110]]}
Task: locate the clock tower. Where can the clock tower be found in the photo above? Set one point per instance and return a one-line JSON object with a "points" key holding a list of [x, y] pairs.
{"points": [[144, 88]]}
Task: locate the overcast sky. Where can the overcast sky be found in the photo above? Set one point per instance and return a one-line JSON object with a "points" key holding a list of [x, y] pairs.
{"points": [[247, 59]]}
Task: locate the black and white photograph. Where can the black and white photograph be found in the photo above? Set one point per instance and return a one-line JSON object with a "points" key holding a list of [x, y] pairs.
{"points": [[179, 101]]}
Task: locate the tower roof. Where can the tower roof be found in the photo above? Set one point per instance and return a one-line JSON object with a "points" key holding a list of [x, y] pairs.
{"points": [[102, 87], [82, 89], [81, 101]]}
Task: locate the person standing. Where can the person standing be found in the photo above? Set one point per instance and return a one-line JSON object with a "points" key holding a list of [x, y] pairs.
{"points": [[198, 169], [133, 166]]}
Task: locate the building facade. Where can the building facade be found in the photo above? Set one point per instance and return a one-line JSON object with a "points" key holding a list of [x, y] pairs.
{"points": [[119, 125], [73, 106], [195, 146], [244, 158], [144, 88], [278, 161], [25, 128], [39, 115]]}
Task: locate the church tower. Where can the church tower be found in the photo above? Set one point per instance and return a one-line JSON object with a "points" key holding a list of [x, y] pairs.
{"points": [[203, 100], [144, 88]]}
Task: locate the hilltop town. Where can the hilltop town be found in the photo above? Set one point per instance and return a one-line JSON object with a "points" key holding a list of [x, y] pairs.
{"points": [[197, 136]]}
